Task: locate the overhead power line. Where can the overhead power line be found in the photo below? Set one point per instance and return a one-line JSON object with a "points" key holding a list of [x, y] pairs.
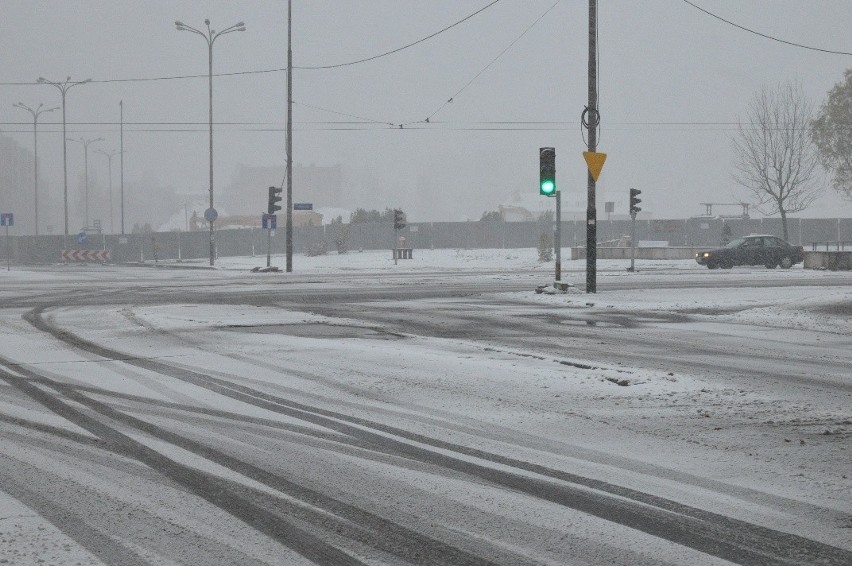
{"points": [[373, 125], [485, 68], [749, 30], [398, 49], [280, 69], [428, 119], [166, 78], [363, 119]]}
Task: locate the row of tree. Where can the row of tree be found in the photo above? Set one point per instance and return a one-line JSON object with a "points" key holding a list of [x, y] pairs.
{"points": [[783, 141], [831, 131]]}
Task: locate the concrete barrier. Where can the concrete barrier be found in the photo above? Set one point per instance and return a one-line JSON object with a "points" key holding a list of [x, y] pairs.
{"points": [[841, 260]]}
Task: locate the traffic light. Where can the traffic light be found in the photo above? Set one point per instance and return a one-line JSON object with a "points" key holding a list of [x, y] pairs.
{"points": [[398, 219], [634, 200], [547, 167], [274, 197]]}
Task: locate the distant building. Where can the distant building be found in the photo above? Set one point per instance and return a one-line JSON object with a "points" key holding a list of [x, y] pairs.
{"points": [[16, 187], [300, 218], [247, 191], [515, 213], [529, 206]]}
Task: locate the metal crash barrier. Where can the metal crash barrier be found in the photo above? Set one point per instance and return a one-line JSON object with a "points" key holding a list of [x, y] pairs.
{"points": [[403, 253], [836, 256]]}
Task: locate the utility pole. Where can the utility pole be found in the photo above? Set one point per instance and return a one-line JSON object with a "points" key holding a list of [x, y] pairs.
{"points": [[289, 149], [592, 120], [121, 154]]}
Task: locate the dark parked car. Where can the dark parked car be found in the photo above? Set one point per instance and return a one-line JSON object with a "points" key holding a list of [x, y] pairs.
{"points": [[753, 250]]}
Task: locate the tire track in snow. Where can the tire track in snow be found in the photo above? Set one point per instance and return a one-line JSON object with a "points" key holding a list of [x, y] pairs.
{"points": [[286, 522], [712, 533], [108, 522], [215, 490], [494, 432], [418, 556]]}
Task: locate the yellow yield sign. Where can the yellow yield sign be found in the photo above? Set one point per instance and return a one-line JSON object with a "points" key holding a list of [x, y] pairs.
{"points": [[595, 162]]}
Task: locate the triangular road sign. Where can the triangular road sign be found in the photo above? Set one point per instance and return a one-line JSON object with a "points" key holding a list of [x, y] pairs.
{"points": [[595, 162]]}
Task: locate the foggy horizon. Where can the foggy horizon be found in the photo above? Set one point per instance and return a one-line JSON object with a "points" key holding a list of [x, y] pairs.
{"points": [[674, 82]]}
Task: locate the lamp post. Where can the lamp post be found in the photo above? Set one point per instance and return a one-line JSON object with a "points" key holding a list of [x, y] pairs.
{"points": [[85, 142], [35, 113], [210, 36], [63, 88], [109, 155], [121, 158]]}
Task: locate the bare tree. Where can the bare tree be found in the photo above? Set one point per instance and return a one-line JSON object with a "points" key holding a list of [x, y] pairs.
{"points": [[775, 157]]}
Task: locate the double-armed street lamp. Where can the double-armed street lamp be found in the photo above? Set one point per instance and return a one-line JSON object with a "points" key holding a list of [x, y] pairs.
{"points": [[63, 88], [109, 155], [85, 142], [35, 113], [210, 36]]}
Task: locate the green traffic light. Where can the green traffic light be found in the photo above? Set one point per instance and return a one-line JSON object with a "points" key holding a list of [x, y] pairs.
{"points": [[548, 187]]}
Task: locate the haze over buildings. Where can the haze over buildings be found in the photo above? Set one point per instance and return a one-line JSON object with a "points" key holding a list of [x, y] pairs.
{"points": [[673, 84]]}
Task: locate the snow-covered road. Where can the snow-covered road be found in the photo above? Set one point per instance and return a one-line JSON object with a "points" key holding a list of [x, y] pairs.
{"points": [[360, 412]]}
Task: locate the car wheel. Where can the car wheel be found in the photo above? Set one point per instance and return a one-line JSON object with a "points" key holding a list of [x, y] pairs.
{"points": [[786, 262], [712, 265], [771, 265]]}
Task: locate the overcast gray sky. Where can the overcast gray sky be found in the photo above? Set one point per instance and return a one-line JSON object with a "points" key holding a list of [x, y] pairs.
{"points": [[673, 83]]}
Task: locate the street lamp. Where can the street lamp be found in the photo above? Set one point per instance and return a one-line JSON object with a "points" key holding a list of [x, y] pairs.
{"points": [[86, 142], [109, 156], [63, 88], [210, 36], [35, 113], [121, 153]]}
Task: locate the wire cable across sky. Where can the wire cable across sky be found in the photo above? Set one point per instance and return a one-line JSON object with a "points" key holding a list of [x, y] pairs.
{"points": [[280, 69], [749, 30], [398, 49], [499, 55]]}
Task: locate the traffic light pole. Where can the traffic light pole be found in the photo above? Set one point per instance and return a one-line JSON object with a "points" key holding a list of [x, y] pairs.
{"points": [[634, 210], [632, 241], [269, 221], [558, 242], [592, 121], [547, 187], [268, 248]]}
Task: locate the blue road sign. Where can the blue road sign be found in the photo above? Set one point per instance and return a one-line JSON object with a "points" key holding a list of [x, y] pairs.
{"points": [[82, 237], [210, 215], [303, 206], [269, 221], [7, 218]]}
